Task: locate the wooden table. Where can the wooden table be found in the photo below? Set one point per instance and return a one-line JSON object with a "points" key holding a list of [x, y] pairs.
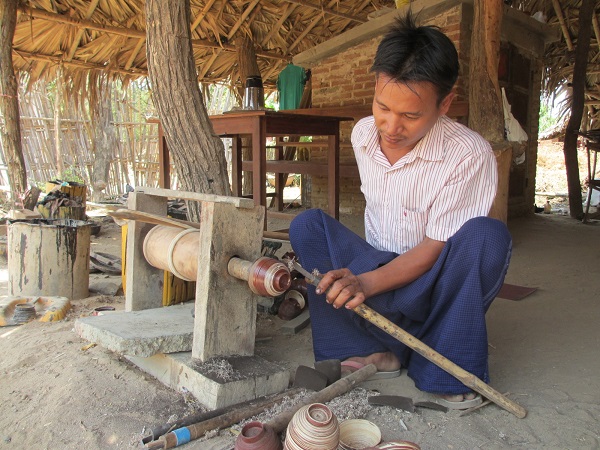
{"points": [[258, 125]]}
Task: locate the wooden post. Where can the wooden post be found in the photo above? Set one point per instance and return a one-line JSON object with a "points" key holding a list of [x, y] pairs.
{"points": [[578, 100], [60, 168], [225, 317], [485, 103], [225, 322], [9, 103], [248, 66], [144, 282]]}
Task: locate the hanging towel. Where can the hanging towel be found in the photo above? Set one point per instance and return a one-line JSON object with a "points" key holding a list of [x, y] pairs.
{"points": [[290, 85]]}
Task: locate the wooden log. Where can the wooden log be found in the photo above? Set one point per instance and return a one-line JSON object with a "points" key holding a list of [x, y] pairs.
{"points": [[249, 407], [31, 197]]}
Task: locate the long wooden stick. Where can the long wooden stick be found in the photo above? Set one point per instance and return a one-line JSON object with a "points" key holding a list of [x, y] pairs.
{"points": [[123, 214], [264, 402], [467, 378], [340, 387]]}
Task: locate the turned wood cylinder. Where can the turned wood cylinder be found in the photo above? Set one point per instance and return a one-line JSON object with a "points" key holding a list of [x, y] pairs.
{"points": [[176, 250], [266, 276], [173, 249]]}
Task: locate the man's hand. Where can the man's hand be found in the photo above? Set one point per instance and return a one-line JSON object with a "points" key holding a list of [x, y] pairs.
{"points": [[342, 287]]}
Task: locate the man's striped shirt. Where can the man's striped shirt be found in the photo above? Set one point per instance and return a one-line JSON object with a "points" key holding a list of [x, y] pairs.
{"points": [[449, 177]]}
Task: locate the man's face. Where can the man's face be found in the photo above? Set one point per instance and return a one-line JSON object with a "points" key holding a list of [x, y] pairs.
{"points": [[405, 113]]}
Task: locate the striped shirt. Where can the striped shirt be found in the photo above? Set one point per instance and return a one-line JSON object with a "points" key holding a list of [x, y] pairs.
{"points": [[449, 177]]}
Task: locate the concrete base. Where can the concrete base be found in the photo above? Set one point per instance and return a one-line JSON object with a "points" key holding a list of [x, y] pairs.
{"points": [[253, 377], [142, 333]]}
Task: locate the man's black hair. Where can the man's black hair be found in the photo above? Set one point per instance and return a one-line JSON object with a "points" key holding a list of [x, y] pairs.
{"points": [[409, 53]]}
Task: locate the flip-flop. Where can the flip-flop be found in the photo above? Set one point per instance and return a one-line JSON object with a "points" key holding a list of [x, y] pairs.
{"points": [[377, 376], [465, 404]]}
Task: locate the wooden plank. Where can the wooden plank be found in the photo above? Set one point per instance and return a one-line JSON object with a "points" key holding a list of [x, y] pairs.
{"points": [[243, 203]]}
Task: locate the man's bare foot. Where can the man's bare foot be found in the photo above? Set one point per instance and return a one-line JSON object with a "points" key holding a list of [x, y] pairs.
{"points": [[384, 361], [460, 401], [459, 397]]}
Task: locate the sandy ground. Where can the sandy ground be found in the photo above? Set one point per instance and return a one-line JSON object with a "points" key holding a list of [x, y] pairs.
{"points": [[58, 394]]}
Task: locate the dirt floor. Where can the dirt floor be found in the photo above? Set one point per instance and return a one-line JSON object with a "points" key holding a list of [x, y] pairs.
{"points": [[57, 392]]}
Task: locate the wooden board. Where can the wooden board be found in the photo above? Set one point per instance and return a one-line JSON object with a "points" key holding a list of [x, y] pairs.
{"points": [[128, 214]]}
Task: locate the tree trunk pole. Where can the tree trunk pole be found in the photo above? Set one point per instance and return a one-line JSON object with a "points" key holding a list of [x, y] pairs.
{"points": [[198, 153], [486, 115], [104, 138], [9, 103], [60, 168], [582, 49], [248, 66]]}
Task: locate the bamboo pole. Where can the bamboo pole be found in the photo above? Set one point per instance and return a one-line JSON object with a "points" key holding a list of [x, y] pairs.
{"points": [[563, 24]]}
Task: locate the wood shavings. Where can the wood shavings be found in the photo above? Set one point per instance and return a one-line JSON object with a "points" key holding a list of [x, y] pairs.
{"points": [[218, 368]]}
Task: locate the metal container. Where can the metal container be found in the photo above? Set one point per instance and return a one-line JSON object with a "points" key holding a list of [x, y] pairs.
{"points": [[254, 94]]}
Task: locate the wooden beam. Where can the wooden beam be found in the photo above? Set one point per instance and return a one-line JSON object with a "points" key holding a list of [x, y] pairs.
{"points": [[79, 64], [59, 18], [563, 24], [208, 64], [326, 10]]}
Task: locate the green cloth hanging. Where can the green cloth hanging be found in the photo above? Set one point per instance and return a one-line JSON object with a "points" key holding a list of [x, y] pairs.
{"points": [[290, 85]]}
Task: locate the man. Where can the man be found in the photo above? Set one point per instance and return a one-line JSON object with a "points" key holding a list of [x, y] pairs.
{"points": [[432, 262]]}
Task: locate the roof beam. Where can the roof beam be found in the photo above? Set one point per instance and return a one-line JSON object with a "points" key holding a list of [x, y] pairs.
{"points": [[563, 24], [79, 64], [59, 18], [326, 10]]}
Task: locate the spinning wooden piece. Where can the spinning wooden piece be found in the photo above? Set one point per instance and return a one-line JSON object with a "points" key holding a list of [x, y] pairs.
{"points": [[266, 276], [176, 250]]}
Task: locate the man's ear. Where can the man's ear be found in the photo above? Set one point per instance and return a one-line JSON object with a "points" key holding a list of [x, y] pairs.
{"points": [[445, 103]]}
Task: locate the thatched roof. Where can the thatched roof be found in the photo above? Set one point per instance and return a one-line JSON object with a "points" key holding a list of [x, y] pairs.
{"points": [[110, 35]]}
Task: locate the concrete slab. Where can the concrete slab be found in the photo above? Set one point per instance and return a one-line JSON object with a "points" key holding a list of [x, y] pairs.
{"points": [[252, 377], [142, 333]]}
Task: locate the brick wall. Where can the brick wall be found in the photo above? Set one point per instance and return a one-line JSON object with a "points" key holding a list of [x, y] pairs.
{"points": [[344, 79]]}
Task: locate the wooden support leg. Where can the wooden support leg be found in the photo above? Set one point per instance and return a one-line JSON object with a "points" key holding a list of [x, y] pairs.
{"points": [[225, 309], [144, 283]]}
